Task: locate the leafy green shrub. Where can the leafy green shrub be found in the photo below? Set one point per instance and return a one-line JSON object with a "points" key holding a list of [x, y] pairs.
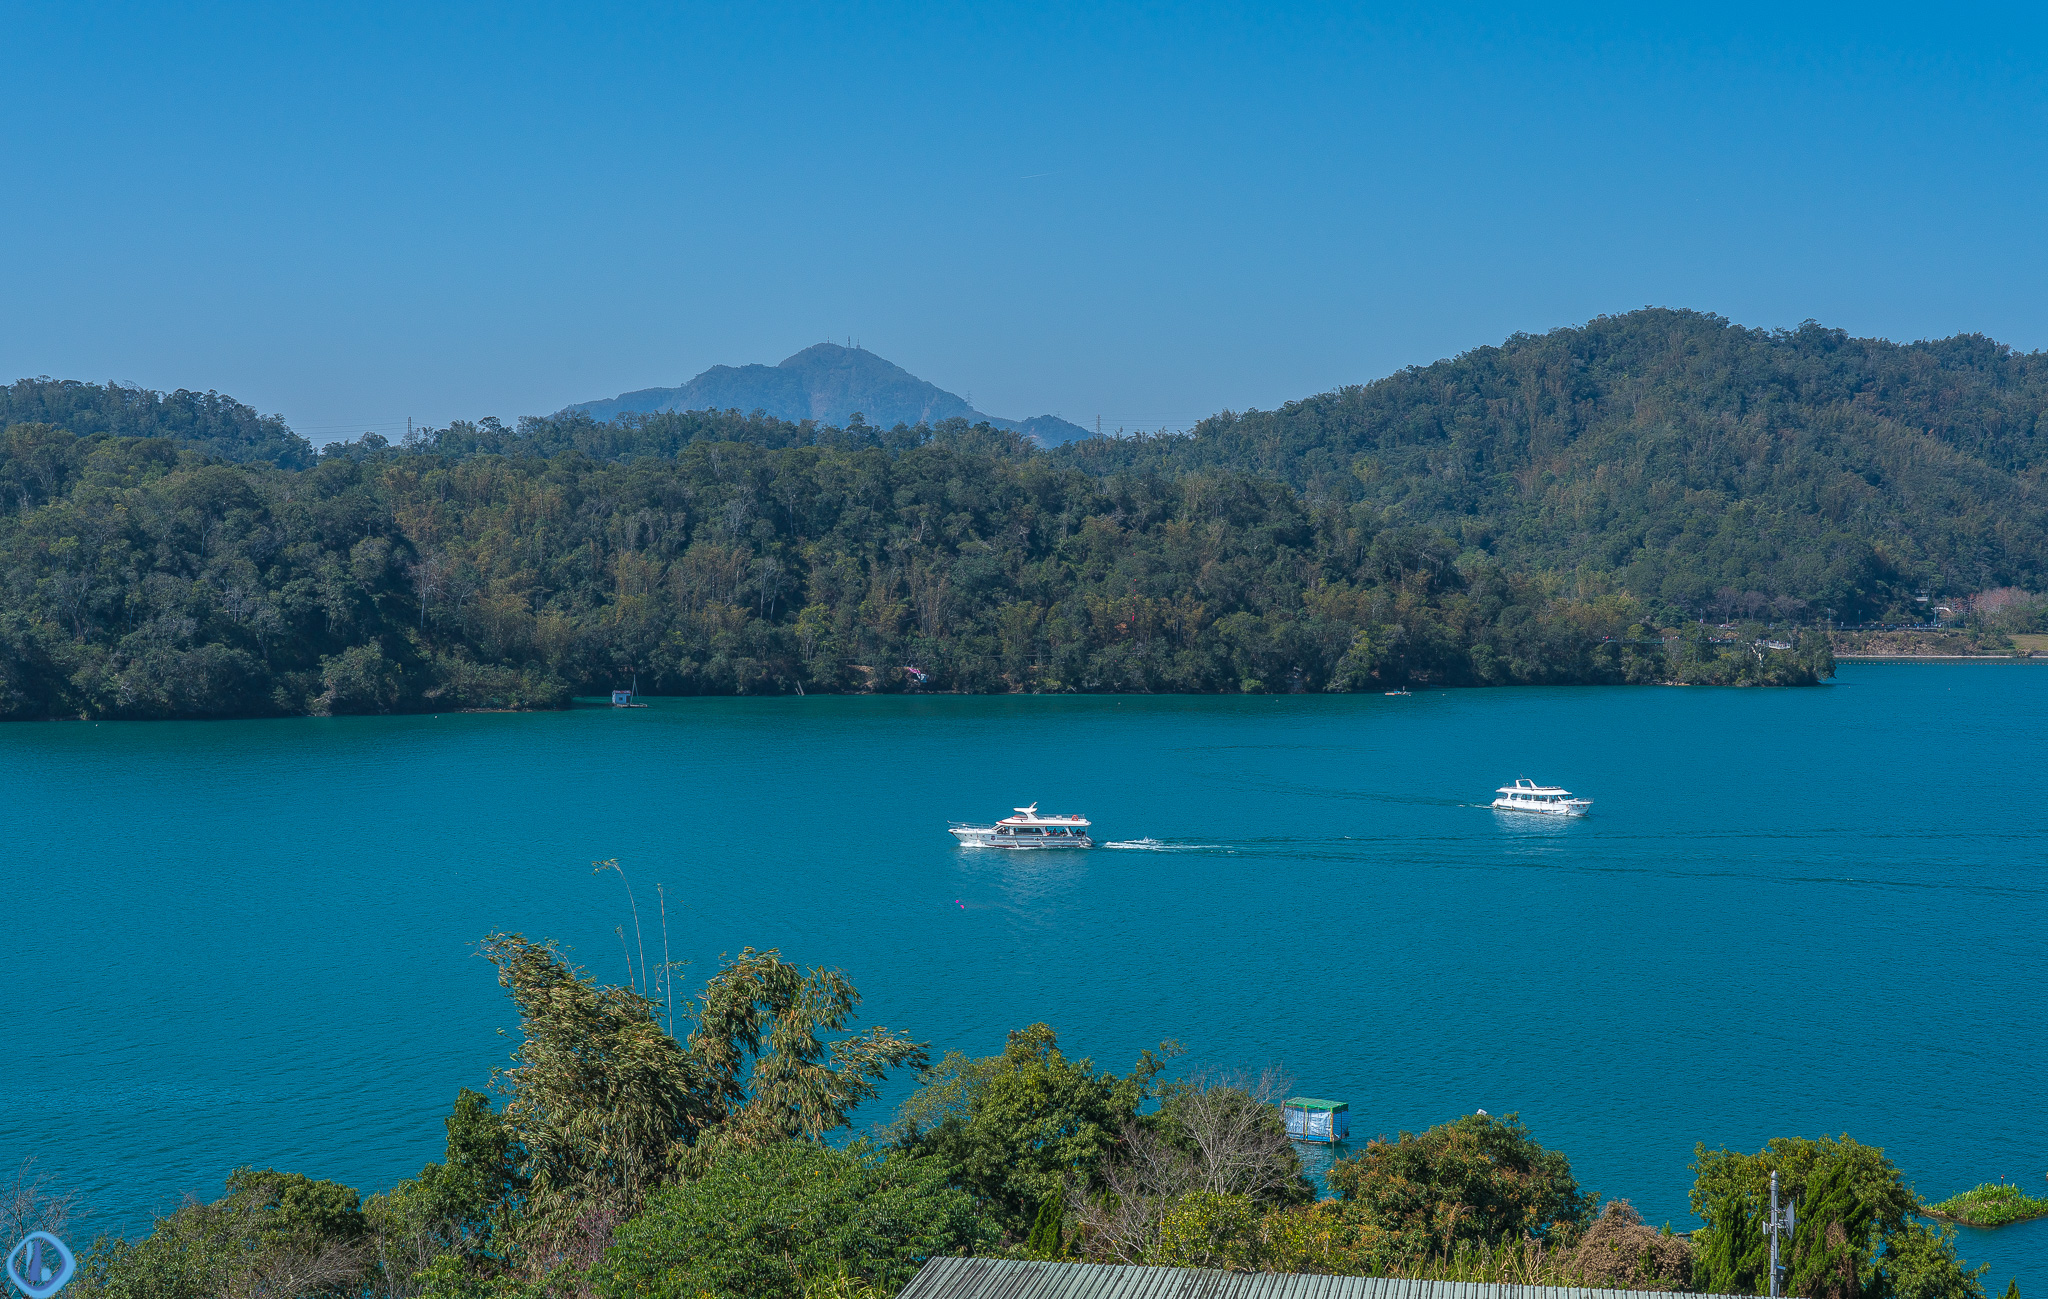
{"points": [[770, 1222], [1920, 1263], [1015, 1128], [273, 1233], [1204, 1229], [1475, 1181]]}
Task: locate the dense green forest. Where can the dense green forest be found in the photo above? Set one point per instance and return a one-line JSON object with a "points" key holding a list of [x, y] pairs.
{"points": [[145, 580], [209, 423], [1654, 497], [1717, 469], [639, 1153]]}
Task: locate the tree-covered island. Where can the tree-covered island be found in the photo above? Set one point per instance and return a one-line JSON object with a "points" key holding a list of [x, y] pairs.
{"points": [[1657, 497]]}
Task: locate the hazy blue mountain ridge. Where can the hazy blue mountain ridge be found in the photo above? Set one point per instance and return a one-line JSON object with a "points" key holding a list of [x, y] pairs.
{"points": [[828, 384]]}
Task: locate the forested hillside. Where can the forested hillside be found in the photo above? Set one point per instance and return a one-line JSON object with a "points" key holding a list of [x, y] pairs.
{"points": [[1535, 512], [208, 422], [145, 580], [1703, 465]]}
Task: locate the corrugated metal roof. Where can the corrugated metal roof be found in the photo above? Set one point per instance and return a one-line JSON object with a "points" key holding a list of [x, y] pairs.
{"points": [[1311, 1103], [1009, 1278]]}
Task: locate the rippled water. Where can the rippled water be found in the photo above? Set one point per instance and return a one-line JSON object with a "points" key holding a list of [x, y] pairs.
{"points": [[1792, 912]]}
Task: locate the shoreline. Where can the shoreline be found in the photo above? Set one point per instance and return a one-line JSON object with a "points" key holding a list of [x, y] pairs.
{"points": [[1988, 659], [1928, 1211], [598, 702]]}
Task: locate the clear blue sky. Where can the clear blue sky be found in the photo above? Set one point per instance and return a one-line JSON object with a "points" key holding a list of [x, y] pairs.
{"points": [[354, 214]]}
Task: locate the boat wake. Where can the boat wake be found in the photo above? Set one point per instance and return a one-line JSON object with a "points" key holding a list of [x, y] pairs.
{"points": [[1155, 845]]}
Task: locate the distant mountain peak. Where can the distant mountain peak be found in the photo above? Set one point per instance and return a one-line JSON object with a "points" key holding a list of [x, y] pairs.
{"points": [[829, 353], [830, 384]]}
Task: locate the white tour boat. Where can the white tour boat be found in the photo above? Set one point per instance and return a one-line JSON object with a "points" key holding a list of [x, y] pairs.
{"points": [[1027, 829], [1528, 796]]}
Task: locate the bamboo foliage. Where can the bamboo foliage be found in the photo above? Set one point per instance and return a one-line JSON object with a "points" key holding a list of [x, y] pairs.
{"points": [[601, 1099], [759, 1041], [607, 1105]]}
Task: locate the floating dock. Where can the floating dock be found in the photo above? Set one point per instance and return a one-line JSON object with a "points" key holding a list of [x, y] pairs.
{"points": [[1312, 1119]]}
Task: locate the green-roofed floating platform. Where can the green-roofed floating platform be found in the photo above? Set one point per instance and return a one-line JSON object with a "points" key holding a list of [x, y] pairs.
{"points": [[1310, 1118]]}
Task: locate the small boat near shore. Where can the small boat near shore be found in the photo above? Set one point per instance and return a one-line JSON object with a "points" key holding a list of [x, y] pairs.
{"points": [[1025, 829], [1546, 800]]}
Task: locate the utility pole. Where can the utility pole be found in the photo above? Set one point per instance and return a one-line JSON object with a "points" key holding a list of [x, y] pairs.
{"points": [[1780, 1222]]}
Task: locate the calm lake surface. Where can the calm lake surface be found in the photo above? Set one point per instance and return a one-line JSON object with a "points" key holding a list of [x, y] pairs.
{"points": [[1793, 912]]}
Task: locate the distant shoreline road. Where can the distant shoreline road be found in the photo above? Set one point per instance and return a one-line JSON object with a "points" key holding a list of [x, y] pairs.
{"points": [[1842, 657]]}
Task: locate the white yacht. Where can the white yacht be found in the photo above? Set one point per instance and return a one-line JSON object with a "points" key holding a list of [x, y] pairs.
{"points": [[1027, 829], [1528, 796]]}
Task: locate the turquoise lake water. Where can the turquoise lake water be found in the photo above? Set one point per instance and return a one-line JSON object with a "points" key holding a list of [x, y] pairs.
{"points": [[1793, 912]]}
